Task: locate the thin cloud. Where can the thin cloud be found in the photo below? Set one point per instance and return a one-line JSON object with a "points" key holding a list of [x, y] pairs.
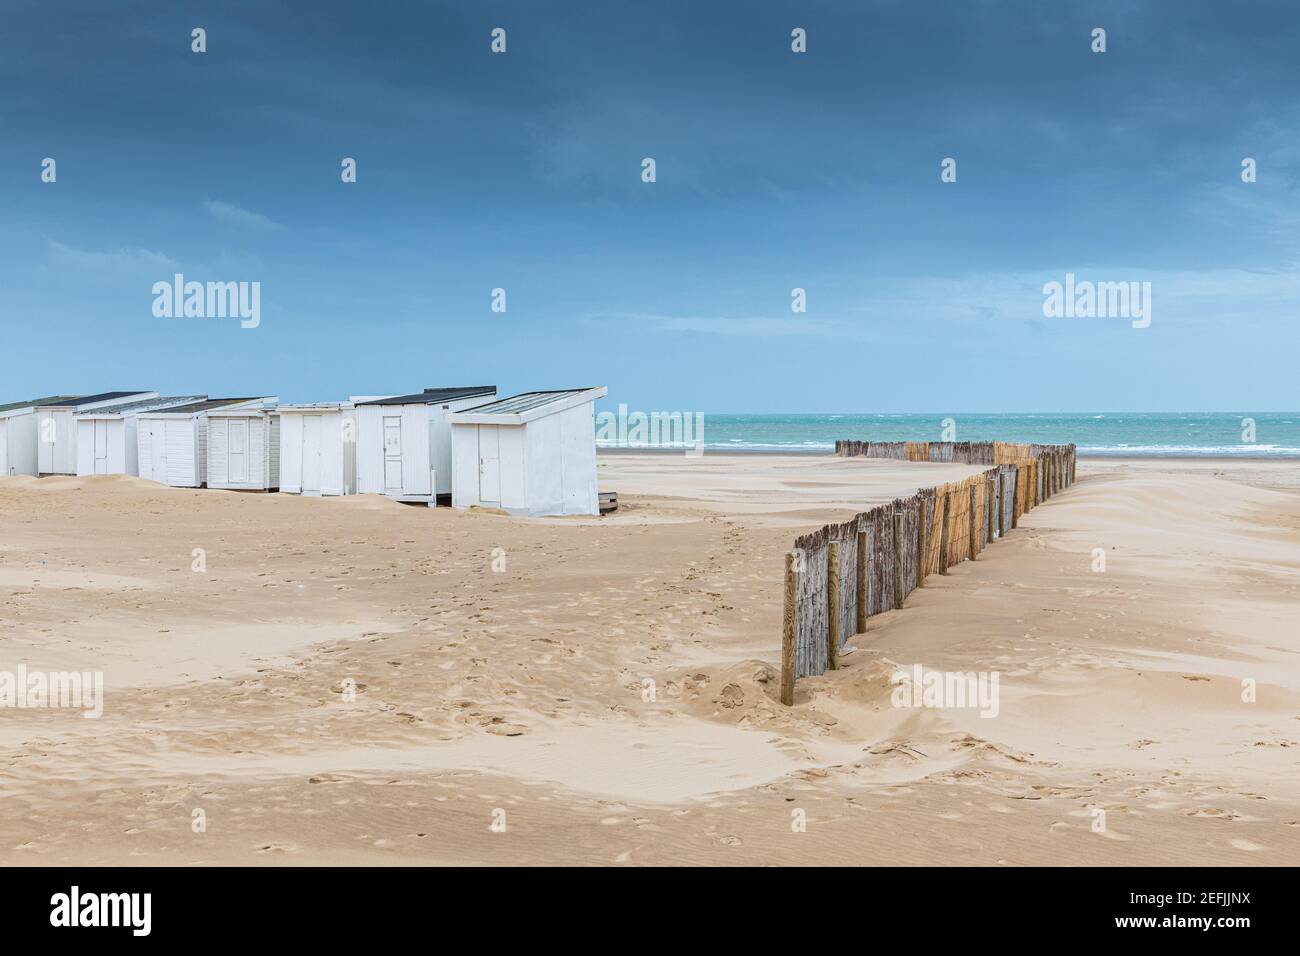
{"points": [[234, 215], [765, 326], [115, 262]]}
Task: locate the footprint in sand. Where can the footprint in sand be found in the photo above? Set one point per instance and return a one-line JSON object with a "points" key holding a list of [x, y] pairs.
{"points": [[1217, 813], [1248, 845]]}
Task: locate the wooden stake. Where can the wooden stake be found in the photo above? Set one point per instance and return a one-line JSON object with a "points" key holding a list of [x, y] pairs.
{"points": [[944, 532], [974, 533], [789, 628], [862, 582], [898, 558], [1015, 498], [833, 605], [922, 552], [990, 492]]}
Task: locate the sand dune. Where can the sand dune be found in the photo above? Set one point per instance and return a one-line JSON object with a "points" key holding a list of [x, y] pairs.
{"points": [[522, 694]]}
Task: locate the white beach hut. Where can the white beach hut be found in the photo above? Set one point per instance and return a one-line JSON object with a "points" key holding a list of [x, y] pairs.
{"points": [[18, 434], [244, 447], [106, 438], [530, 454], [173, 443], [404, 442], [318, 447], [56, 446]]}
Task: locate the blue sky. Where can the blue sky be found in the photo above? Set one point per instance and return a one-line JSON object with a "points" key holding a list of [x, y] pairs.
{"points": [[775, 170]]}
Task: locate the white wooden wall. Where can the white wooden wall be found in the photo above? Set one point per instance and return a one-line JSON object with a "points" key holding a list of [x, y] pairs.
{"points": [[115, 462], [415, 429], [262, 451], [58, 456], [441, 442], [547, 466], [291, 429], [179, 450], [18, 434], [561, 463], [336, 470], [464, 466], [198, 431]]}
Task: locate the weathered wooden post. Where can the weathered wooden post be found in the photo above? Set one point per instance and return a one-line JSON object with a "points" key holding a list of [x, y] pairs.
{"points": [[862, 581], [833, 606], [1002, 503], [898, 558], [990, 494], [994, 496], [922, 552], [944, 531], [1016, 490], [974, 533], [790, 627]]}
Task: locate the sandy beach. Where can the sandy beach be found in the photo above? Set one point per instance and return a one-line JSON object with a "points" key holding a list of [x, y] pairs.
{"points": [[502, 667]]}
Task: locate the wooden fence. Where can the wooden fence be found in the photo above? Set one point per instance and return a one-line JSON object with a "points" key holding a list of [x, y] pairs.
{"points": [[839, 575]]}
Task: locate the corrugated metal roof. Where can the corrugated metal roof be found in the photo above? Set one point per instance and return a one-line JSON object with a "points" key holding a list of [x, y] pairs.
{"points": [[523, 402], [101, 397], [147, 403], [433, 396], [207, 405], [46, 400]]}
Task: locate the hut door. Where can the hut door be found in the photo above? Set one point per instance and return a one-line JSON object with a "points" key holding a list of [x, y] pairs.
{"points": [[311, 450], [489, 465], [393, 453], [101, 447], [158, 451], [237, 451]]}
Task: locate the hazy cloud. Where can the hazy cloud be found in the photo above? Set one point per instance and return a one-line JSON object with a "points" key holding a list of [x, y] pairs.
{"points": [[115, 262], [234, 215]]}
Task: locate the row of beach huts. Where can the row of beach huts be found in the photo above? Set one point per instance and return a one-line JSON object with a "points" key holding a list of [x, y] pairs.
{"points": [[528, 454]]}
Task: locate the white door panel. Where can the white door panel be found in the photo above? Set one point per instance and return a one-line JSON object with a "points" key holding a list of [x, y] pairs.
{"points": [[237, 451], [489, 465], [311, 454], [392, 453]]}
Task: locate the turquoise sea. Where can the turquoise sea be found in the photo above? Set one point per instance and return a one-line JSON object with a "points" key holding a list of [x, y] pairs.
{"points": [[1276, 434]]}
